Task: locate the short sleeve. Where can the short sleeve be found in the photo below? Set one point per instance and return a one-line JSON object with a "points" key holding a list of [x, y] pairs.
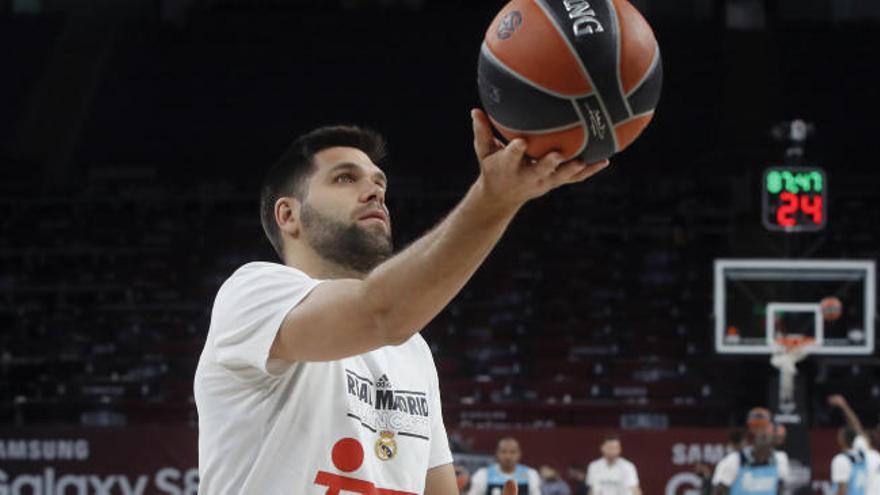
{"points": [[440, 453], [591, 475], [841, 469], [726, 470], [783, 467], [632, 476], [479, 482], [534, 481], [249, 310]]}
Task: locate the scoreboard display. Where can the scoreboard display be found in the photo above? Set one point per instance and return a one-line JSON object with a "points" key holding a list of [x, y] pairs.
{"points": [[795, 199]]}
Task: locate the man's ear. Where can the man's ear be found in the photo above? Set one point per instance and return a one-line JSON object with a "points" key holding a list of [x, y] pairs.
{"points": [[287, 216]]}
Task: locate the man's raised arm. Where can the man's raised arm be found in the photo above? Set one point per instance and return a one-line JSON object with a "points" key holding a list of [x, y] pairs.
{"points": [[852, 419], [347, 317]]}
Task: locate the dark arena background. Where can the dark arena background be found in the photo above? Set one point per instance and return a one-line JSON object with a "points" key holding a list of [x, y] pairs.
{"points": [[644, 302]]}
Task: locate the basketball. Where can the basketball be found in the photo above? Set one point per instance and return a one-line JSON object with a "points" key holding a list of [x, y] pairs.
{"points": [[759, 420], [582, 78], [832, 308]]}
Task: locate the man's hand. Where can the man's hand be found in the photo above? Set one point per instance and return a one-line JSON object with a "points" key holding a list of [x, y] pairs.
{"points": [[837, 400], [510, 488], [852, 420], [348, 317], [510, 178]]}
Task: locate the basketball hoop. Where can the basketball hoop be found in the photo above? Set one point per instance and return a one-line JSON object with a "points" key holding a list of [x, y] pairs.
{"points": [[790, 349], [793, 343]]}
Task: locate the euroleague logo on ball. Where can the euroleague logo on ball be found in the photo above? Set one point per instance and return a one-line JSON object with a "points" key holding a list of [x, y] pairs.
{"points": [[509, 24]]}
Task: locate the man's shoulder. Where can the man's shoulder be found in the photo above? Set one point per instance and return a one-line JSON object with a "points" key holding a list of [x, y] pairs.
{"points": [[261, 273], [263, 267], [627, 463], [731, 457]]}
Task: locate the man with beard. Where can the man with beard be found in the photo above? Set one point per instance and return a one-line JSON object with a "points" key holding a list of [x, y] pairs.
{"points": [[314, 378]]}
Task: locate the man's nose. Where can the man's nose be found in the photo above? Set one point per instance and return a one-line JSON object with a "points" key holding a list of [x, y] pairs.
{"points": [[374, 193]]}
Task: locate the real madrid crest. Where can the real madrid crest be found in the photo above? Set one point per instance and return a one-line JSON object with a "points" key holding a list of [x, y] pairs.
{"points": [[386, 445]]}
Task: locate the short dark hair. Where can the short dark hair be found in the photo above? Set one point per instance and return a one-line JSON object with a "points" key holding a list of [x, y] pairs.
{"points": [[611, 437], [506, 439], [289, 174]]}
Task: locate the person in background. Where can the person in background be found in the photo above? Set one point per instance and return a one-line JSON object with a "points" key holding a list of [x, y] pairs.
{"points": [[849, 472], [611, 474], [462, 478], [753, 470], [577, 473], [704, 472], [490, 480], [552, 483], [861, 443], [736, 440]]}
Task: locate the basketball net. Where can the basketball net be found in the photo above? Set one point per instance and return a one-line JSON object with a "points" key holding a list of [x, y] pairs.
{"points": [[789, 351]]}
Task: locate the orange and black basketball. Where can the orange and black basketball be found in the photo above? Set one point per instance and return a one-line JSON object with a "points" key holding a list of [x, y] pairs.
{"points": [[575, 76]]}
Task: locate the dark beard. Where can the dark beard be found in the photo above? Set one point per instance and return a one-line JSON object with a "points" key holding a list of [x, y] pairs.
{"points": [[347, 245]]}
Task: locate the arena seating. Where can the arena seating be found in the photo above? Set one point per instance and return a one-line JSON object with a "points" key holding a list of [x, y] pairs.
{"points": [[594, 310], [585, 321]]}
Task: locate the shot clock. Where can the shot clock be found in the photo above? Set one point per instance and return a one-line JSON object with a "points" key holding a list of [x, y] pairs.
{"points": [[795, 199]]}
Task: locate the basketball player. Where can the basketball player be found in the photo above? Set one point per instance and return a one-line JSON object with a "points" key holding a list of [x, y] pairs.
{"points": [[490, 480], [861, 443], [755, 469], [611, 474], [849, 470], [313, 378]]}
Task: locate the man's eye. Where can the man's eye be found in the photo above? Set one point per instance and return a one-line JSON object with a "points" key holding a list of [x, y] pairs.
{"points": [[344, 178]]}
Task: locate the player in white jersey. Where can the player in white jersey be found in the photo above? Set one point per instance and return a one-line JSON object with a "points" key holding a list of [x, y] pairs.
{"points": [[313, 378], [611, 474], [862, 443]]}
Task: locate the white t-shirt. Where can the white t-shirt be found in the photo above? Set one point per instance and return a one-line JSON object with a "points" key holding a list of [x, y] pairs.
{"points": [[480, 481], [782, 465], [269, 427], [872, 464], [612, 479], [727, 469], [841, 468]]}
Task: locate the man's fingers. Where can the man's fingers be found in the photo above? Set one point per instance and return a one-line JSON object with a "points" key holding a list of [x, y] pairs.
{"points": [[548, 164], [577, 171], [510, 488], [484, 141], [589, 171], [516, 150]]}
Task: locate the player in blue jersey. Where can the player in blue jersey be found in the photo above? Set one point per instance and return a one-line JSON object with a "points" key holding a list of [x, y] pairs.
{"points": [[862, 443], [753, 470], [848, 468], [490, 480]]}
